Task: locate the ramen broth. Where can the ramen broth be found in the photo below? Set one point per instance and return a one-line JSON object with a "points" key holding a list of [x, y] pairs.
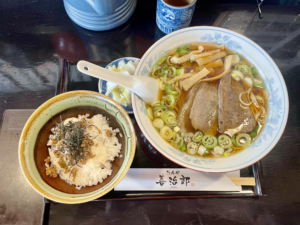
{"points": [[178, 3], [183, 107], [41, 149]]}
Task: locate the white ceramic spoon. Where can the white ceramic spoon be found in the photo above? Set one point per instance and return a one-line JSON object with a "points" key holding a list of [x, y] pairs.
{"points": [[145, 87]]}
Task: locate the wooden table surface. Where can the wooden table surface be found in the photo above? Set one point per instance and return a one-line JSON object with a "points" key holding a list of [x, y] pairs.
{"points": [[35, 34]]}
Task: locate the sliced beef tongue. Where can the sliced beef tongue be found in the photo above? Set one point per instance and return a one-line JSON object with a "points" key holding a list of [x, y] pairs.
{"points": [[231, 114], [186, 105], [204, 112]]}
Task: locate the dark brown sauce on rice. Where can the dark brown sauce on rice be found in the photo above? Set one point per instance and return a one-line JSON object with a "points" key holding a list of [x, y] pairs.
{"points": [[41, 149]]}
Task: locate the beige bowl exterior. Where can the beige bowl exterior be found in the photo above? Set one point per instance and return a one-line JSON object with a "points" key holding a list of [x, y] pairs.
{"points": [[44, 113]]}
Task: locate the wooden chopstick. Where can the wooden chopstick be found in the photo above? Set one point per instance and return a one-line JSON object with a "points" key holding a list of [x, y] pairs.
{"points": [[247, 181]]}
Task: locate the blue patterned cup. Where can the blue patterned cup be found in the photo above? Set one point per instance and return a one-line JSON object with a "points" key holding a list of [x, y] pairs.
{"points": [[170, 18]]}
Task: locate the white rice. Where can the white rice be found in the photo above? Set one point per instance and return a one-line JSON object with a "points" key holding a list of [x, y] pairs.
{"points": [[96, 169]]}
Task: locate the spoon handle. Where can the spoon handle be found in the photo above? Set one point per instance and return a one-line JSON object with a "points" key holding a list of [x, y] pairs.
{"points": [[104, 74], [145, 87]]}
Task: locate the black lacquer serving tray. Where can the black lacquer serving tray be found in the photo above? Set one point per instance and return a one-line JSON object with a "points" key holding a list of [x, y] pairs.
{"points": [[146, 156]]}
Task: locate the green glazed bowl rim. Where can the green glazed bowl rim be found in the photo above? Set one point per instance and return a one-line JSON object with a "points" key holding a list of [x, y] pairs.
{"points": [[82, 197]]}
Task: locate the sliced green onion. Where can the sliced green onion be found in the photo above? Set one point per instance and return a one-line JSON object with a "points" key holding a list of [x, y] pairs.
{"points": [[244, 69], [170, 122], [188, 137], [209, 141], [260, 99], [182, 133], [224, 141], [225, 154], [183, 148], [218, 150], [180, 71], [192, 148], [164, 71], [154, 69], [158, 123], [168, 89], [173, 72], [259, 85], [166, 133], [191, 61], [254, 72], [169, 113], [179, 143], [184, 49], [161, 60], [159, 107], [170, 101], [154, 103], [183, 52], [150, 113], [236, 77], [197, 136], [258, 81], [157, 113], [169, 117], [243, 140], [206, 152], [233, 140], [235, 59], [254, 133], [176, 137]]}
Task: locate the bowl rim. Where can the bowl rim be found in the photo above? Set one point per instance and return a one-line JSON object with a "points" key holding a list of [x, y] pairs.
{"points": [[36, 113], [180, 7], [285, 93]]}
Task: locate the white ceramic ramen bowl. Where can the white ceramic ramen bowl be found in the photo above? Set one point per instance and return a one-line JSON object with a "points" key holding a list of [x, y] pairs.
{"points": [[278, 101]]}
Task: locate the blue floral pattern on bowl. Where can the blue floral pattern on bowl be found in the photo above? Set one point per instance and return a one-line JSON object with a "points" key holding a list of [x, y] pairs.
{"points": [[275, 108], [221, 40]]}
